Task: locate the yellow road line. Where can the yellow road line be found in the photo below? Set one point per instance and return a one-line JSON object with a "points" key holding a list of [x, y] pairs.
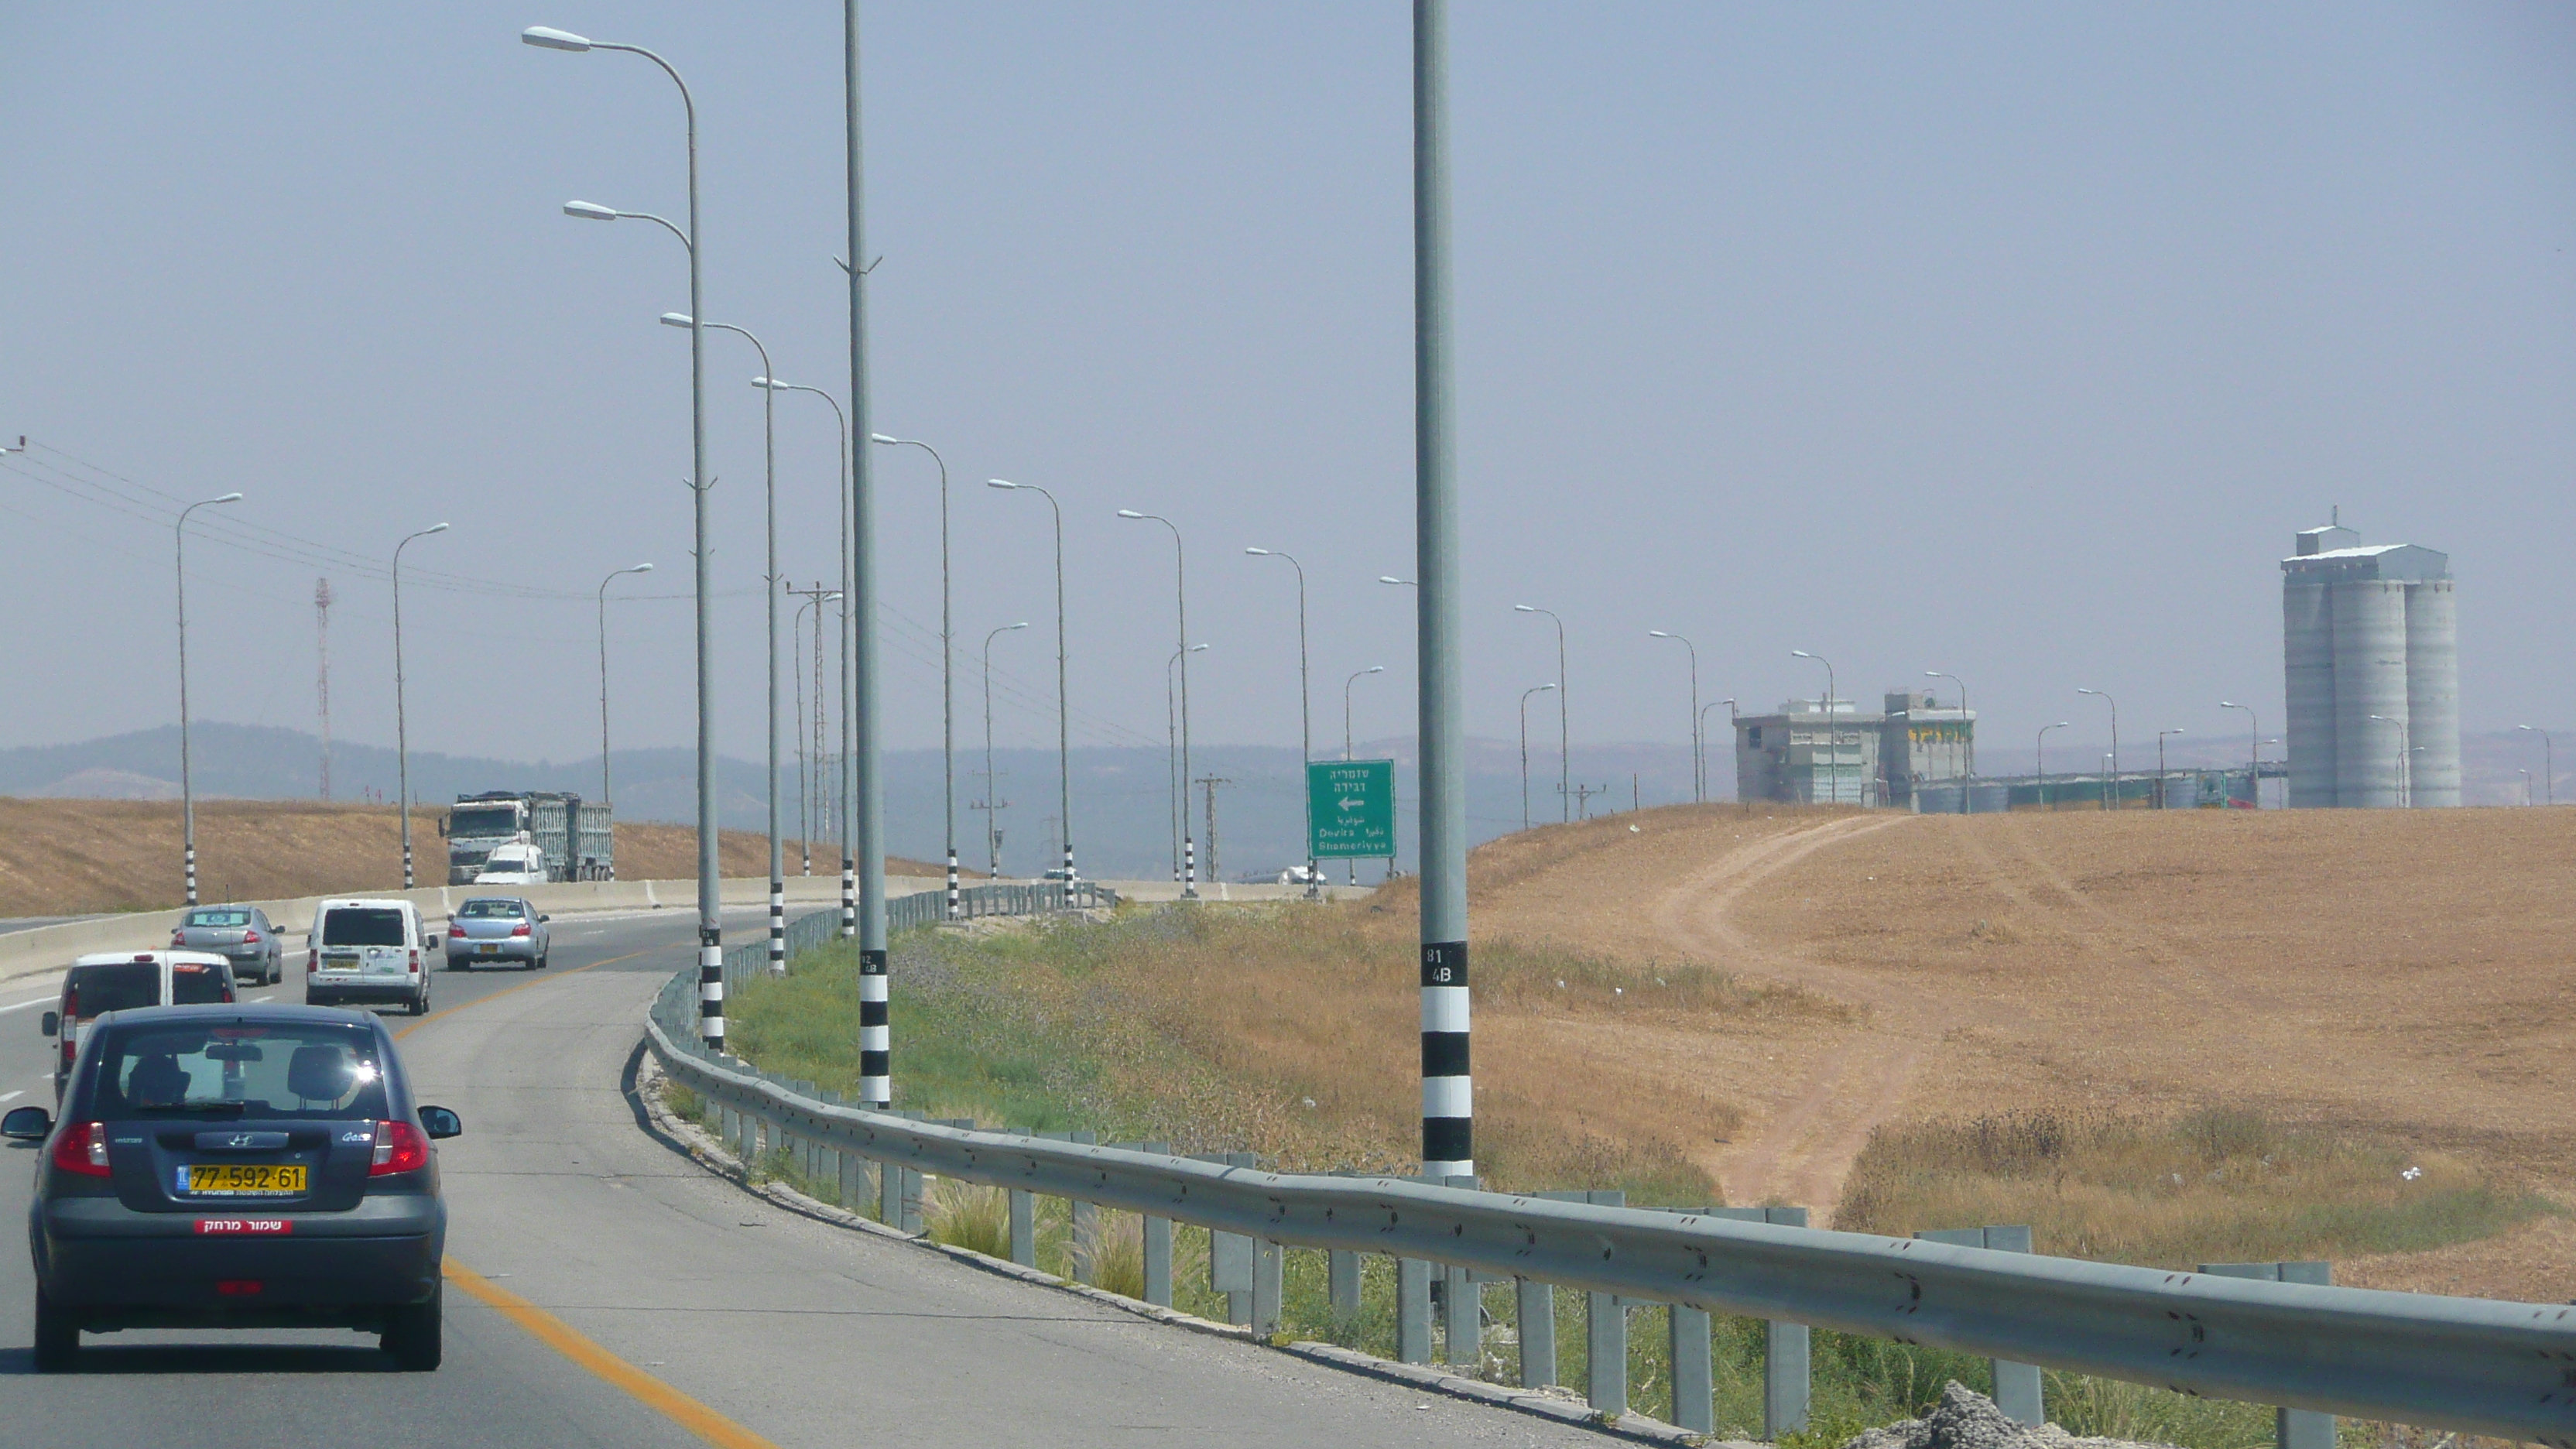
{"points": [[536, 979], [645, 1389]]}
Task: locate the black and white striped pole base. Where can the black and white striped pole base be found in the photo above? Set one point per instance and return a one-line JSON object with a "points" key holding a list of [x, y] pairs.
{"points": [[1189, 869], [849, 899], [953, 907], [711, 985], [777, 927], [1448, 1093], [876, 1056], [192, 870], [192, 875]]}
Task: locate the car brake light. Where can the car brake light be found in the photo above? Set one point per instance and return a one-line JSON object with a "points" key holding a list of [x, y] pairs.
{"points": [[521, 930], [455, 932], [400, 1147], [177, 938], [415, 961], [82, 1147], [250, 938], [312, 961]]}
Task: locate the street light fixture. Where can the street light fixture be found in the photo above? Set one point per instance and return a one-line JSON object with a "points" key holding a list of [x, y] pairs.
{"points": [[769, 495], [1525, 694], [2111, 788], [187, 784], [1729, 702], [2254, 751], [1063, 711], [604, 797], [1181, 594], [2039, 760], [992, 782], [1564, 749], [1405, 583], [710, 890], [2548, 764], [1305, 701], [1699, 770], [947, 669], [402, 731]]}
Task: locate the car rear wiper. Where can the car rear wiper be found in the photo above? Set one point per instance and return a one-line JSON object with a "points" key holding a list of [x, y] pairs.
{"points": [[222, 1109]]}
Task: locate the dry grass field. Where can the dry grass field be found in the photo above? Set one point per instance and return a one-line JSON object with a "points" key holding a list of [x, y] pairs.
{"points": [[2367, 982], [74, 857]]}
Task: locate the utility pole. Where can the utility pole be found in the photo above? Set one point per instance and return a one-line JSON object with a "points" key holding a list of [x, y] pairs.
{"points": [[1581, 796], [322, 672], [1209, 784]]}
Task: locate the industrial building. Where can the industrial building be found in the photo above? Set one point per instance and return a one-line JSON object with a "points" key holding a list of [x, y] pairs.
{"points": [[2370, 657], [1813, 753]]}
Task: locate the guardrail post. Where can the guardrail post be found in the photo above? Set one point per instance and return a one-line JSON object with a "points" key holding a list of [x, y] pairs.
{"points": [[1342, 1282], [2292, 1428], [1694, 1382], [1024, 1226], [1535, 1306], [1462, 1304], [2017, 1389], [1412, 1310], [1605, 1333], [1787, 1387], [1086, 1228], [1268, 1285], [1158, 1249], [854, 1180]]}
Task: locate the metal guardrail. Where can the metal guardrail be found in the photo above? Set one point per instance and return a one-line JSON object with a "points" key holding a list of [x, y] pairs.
{"points": [[2473, 1365], [920, 908]]}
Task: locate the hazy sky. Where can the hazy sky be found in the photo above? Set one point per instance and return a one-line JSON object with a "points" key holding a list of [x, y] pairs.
{"points": [[2013, 341]]}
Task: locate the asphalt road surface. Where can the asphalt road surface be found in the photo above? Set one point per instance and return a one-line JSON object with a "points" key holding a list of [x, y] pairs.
{"points": [[629, 1299]]}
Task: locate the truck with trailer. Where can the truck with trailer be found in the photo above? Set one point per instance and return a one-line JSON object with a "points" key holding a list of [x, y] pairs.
{"points": [[575, 836]]}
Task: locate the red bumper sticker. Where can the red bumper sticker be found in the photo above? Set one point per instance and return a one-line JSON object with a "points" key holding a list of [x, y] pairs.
{"points": [[257, 1227]]}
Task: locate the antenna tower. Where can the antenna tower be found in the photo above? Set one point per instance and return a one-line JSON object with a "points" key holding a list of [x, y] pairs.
{"points": [[322, 675]]}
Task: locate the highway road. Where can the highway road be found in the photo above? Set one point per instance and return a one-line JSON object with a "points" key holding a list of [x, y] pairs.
{"points": [[627, 1298]]}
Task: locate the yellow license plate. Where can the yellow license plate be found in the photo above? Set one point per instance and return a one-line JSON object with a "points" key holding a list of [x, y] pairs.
{"points": [[267, 1179]]}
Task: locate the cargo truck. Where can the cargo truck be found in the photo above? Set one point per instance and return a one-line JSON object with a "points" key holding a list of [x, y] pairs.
{"points": [[575, 837]]}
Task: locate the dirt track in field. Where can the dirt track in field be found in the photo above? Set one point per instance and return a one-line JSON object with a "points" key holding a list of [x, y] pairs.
{"points": [[2410, 974]]}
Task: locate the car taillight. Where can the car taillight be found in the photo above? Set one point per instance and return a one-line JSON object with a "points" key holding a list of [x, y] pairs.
{"points": [[400, 1147], [455, 932], [415, 959], [178, 938], [312, 961], [82, 1147], [521, 929], [250, 938]]}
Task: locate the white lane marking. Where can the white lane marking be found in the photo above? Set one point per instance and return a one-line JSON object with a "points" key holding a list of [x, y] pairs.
{"points": [[11, 1096], [30, 1001], [272, 996]]}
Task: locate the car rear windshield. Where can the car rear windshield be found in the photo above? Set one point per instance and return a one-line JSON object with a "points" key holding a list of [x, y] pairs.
{"points": [[317, 1070], [491, 910], [219, 918], [362, 926], [195, 984], [92, 990]]}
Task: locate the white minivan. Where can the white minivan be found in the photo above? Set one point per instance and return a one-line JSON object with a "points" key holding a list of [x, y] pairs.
{"points": [[365, 952], [518, 863], [125, 980]]}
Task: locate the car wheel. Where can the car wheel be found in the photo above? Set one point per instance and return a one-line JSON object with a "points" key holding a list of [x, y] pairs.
{"points": [[412, 1334], [57, 1336], [417, 1006]]}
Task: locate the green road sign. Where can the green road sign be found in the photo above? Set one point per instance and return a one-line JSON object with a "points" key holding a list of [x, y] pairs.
{"points": [[1350, 809]]}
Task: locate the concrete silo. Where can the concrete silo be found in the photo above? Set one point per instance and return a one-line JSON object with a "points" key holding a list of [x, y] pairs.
{"points": [[2370, 662]]}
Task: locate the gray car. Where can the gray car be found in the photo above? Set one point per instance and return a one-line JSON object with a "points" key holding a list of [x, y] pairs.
{"points": [[494, 929], [243, 935]]}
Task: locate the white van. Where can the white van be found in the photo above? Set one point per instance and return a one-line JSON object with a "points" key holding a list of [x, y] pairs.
{"points": [[518, 863], [125, 980], [368, 951]]}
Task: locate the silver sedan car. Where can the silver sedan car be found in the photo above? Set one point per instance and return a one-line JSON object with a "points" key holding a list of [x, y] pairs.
{"points": [[243, 934], [495, 929]]}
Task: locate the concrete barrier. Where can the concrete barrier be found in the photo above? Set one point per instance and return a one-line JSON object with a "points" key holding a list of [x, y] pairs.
{"points": [[43, 949]]}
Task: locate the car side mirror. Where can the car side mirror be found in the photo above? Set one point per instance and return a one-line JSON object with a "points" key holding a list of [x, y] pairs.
{"points": [[53, 1023], [26, 1124], [438, 1122], [542, 918]]}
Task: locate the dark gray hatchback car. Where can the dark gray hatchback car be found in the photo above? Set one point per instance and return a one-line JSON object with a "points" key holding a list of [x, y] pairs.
{"points": [[237, 1166]]}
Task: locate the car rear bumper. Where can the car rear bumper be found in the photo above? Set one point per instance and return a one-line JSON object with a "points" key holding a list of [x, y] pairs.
{"points": [[521, 949], [319, 988], [123, 1269]]}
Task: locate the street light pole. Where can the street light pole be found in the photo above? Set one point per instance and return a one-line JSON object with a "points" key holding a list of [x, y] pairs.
{"points": [[402, 731], [1525, 694], [876, 1069], [1181, 595], [1699, 770], [187, 782], [1967, 731], [1063, 711], [1564, 748], [1356, 676], [1730, 727], [2112, 793], [1833, 730], [1305, 702], [2548, 764], [849, 880], [710, 896], [2403, 771], [1175, 780], [769, 494], [2163, 785], [947, 670], [605, 798], [2254, 752], [992, 782], [2039, 761]]}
